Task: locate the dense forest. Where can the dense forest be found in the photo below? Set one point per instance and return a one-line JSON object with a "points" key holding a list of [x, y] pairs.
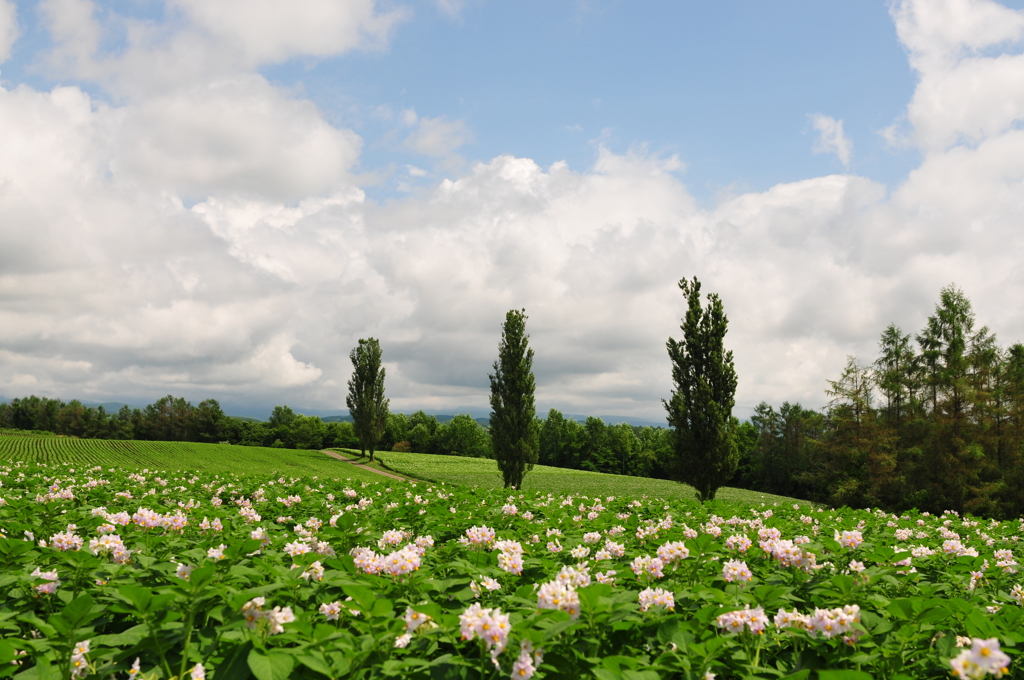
{"points": [[936, 422]]}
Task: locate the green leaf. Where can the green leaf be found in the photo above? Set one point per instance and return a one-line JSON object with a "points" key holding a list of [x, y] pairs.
{"points": [[136, 596], [844, 675], [640, 675], [236, 664], [362, 595], [315, 664], [901, 608], [7, 652], [382, 607], [272, 666], [606, 674], [41, 671], [78, 612], [126, 638], [201, 575], [933, 615]]}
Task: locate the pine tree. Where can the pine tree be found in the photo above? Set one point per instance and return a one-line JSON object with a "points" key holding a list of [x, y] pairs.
{"points": [[700, 410], [365, 400], [512, 405]]}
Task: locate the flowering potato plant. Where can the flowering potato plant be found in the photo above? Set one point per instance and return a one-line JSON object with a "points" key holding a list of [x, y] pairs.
{"points": [[154, 574]]}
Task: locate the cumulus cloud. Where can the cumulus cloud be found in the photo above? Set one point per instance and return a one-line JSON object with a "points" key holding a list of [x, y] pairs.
{"points": [[238, 135], [210, 239], [205, 41], [966, 92], [831, 138], [8, 28]]}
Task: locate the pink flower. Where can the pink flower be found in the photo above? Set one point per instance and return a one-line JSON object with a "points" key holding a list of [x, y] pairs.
{"points": [[656, 597], [736, 570]]}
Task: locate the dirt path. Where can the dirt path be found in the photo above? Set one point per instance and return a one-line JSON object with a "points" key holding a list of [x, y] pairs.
{"points": [[342, 458]]}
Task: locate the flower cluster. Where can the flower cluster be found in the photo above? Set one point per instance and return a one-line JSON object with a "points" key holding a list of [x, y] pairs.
{"points": [[827, 622], [983, 658], [645, 565], [398, 563], [490, 625], [529, 658], [478, 536], [50, 587], [559, 595], [736, 570], [656, 597], [675, 551], [79, 664], [753, 620], [111, 544], [275, 618], [849, 539], [67, 540], [510, 558]]}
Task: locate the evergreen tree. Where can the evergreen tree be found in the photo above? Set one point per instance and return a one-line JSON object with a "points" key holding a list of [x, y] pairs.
{"points": [[895, 373], [365, 400], [512, 405], [700, 410]]}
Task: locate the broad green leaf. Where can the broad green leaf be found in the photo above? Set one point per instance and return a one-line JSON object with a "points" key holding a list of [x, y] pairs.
{"points": [[236, 664], [272, 666], [78, 612], [844, 675], [315, 663], [126, 638], [138, 597]]}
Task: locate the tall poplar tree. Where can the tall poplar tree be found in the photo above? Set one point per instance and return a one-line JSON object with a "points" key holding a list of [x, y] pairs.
{"points": [[512, 405], [365, 400], [700, 410]]}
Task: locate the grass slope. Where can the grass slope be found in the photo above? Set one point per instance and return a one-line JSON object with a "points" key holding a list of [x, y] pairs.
{"points": [[483, 472], [175, 456]]}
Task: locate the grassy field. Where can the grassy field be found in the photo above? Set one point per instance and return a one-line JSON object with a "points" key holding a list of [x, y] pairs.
{"points": [[483, 472], [137, 455]]}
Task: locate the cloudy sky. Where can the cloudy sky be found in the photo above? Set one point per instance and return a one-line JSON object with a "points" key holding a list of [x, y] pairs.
{"points": [[218, 198]]}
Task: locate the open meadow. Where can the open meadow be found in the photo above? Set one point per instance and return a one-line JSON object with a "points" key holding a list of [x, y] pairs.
{"points": [[107, 571], [483, 473]]}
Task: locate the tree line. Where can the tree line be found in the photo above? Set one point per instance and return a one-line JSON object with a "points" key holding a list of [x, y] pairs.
{"points": [[590, 445], [935, 422], [174, 419]]}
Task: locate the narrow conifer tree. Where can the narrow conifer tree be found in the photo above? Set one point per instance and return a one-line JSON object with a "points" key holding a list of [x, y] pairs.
{"points": [[512, 405], [700, 410], [365, 400]]}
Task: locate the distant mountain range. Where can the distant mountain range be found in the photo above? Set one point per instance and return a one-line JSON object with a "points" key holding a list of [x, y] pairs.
{"points": [[485, 421]]}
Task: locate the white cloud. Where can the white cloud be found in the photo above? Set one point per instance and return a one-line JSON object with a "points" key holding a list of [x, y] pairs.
{"points": [[8, 28], [208, 239], [436, 136], [238, 135], [204, 41], [271, 31], [831, 138], [965, 94]]}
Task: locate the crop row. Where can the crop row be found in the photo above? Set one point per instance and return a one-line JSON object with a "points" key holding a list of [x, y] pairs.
{"points": [[138, 455]]}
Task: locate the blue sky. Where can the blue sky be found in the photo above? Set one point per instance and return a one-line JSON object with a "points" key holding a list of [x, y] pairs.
{"points": [[726, 86], [247, 187]]}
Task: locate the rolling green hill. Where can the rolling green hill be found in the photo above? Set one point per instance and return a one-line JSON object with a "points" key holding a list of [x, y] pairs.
{"points": [[483, 472]]}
